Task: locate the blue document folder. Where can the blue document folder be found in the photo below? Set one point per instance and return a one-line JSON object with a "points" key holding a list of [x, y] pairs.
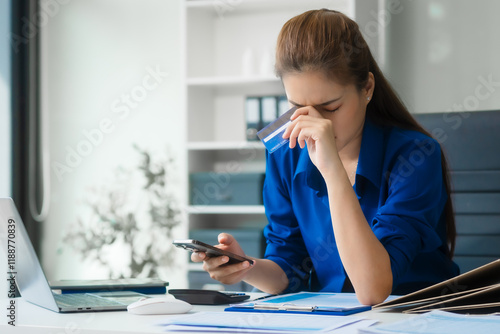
{"points": [[323, 303], [139, 285]]}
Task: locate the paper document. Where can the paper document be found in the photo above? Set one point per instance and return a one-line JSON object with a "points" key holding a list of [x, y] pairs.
{"points": [[440, 322], [354, 327], [259, 322]]}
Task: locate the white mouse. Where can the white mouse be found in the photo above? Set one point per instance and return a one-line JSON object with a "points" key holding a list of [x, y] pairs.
{"points": [[159, 305]]}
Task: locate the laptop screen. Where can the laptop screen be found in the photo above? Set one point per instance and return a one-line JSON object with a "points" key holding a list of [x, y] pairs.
{"points": [[26, 268]]}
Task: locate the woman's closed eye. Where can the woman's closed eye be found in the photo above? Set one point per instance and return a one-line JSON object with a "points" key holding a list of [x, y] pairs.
{"points": [[330, 110]]}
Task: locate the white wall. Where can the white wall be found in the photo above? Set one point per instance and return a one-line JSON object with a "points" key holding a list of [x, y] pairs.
{"points": [[5, 134], [443, 55], [112, 65]]}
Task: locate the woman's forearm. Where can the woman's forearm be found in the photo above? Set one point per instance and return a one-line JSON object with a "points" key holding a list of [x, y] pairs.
{"points": [[364, 258], [267, 276]]}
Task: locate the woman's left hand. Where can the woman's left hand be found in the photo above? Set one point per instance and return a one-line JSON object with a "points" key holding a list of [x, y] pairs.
{"points": [[310, 127]]}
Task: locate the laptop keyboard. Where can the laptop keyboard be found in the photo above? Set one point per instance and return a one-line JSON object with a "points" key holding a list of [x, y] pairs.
{"points": [[82, 300]]}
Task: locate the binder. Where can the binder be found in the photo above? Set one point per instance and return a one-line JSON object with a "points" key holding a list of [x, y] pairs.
{"points": [[476, 291], [269, 106], [283, 105], [321, 303], [253, 118]]}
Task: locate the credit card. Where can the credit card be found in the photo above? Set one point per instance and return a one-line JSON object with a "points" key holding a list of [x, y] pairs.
{"points": [[272, 134]]}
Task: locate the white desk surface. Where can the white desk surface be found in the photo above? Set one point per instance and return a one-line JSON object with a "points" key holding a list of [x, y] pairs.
{"points": [[31, 319]]}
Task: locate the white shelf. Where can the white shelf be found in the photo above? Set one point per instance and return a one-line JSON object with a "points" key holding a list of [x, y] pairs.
{"points": [[222, 8], [193, 266], [226, 209], [231, 81], [215, 146]]}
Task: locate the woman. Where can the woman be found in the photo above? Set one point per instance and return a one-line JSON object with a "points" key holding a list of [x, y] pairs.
{"points": [[359, 201]]}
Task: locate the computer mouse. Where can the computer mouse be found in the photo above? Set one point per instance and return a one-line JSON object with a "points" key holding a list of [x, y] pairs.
{"points": [[159, 305]]}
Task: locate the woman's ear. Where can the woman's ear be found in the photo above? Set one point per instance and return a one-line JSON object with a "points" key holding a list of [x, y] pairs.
{"points": [[369, 87]]}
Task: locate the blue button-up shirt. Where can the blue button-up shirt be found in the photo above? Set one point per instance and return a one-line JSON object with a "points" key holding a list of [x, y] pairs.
{"points": [[401, 191]]}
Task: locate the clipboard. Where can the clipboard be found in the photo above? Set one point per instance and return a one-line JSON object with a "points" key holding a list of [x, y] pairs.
{"points": [[321, 303]]}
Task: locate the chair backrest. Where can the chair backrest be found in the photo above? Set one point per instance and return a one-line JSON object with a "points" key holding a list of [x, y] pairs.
{"points": [[471, 142]]}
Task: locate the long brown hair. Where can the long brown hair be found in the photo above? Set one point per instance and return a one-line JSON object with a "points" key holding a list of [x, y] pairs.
{"points": [[329, 42]]}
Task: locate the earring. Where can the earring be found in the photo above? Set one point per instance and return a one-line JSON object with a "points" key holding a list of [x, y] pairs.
{"points": [[368, 98]]}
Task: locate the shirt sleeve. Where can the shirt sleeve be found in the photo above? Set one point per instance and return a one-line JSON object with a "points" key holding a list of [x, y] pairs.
{"points": [[285, 245], [407, 223]]}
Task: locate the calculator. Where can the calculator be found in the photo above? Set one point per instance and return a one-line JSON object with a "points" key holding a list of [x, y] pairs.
{"points": [[208, 297]]}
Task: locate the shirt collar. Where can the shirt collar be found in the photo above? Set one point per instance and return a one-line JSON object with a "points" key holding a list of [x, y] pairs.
{"points": [[371, 154]]}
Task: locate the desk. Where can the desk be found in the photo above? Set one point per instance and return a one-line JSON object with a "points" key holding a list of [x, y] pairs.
{"points": [[31, 319]]}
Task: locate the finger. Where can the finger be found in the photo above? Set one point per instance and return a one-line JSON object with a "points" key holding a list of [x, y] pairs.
{"points": [[288, 130], [225, 239], [213, 263], [198, 256], [301, 125], [304, 111], [234, 277], [291, 129], [220, 272], [307, 110], [306, 135], [315, 130], [298, 112]]}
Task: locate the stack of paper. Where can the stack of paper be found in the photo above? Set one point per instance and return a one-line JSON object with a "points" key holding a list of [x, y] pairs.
{"points": [[440, 322], [476, 291], [263, 323]]}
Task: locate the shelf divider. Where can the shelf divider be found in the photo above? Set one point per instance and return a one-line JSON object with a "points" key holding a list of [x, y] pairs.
{"points": [[221, 81], [224, 145], [225, 209]]}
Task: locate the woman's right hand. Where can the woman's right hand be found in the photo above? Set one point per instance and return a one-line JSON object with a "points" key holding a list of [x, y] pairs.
{"points": [[218, 268]]}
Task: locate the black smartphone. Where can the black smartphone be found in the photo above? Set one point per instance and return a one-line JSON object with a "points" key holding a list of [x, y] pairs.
{"points": [[211, 251]]}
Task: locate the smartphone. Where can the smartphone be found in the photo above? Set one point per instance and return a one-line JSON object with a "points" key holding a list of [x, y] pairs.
{"points": [[210, 251]]}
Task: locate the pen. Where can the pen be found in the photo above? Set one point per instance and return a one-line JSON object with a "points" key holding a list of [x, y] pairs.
{"points": [[267, 296]]}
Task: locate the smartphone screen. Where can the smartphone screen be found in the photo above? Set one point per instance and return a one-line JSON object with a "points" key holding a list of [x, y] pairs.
{"points": [[210, 251]]}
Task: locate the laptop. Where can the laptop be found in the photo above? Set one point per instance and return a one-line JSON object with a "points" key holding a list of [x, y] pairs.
{"points": [[31, 280]]}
